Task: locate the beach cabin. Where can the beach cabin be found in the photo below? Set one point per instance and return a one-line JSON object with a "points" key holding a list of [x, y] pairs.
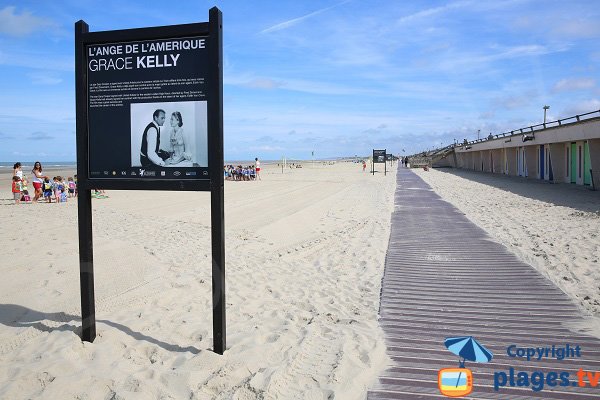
{"points": [[562, 151]]}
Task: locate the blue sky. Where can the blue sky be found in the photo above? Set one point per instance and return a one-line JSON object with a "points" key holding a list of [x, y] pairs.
{"points": [[336, 77]]}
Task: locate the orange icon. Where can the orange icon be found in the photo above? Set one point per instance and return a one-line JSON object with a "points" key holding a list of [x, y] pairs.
{"points": [[455, 382]]}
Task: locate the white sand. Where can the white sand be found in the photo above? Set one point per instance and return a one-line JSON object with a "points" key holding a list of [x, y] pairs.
{"points": [[305, 254], [553, 227]]}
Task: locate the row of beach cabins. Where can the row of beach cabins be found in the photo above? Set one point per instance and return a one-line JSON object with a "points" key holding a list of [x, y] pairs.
{"points": [[563, 151]]}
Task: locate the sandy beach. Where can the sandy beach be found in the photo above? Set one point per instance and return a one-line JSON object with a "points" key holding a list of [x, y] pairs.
{"points": [[553, 227], [304, 256]]}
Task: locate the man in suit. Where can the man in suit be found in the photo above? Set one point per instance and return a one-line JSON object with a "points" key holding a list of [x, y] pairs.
{"points": [[150, 153]]}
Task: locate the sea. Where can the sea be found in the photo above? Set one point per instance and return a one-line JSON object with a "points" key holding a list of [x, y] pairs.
{"points": [[28, 165]]}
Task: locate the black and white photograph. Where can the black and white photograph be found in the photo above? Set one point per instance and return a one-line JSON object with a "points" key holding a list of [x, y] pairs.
{"points": [[169, 134]]}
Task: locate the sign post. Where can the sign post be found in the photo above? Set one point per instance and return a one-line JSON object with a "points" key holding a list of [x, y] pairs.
{"points": [[84, 198], [215, 143], [149, 116]]}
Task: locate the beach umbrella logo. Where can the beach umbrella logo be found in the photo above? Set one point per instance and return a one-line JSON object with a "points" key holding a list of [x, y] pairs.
{"points": [[458, 382]]}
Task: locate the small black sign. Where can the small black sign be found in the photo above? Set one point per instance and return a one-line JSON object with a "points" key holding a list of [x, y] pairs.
{"points": [[379, 156]]}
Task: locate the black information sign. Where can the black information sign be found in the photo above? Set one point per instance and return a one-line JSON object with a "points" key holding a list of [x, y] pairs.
{"points": [[150, 117], [379, 156], [151, 98]]}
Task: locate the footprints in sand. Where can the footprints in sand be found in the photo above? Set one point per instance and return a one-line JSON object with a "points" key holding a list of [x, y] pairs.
{"points": [[315, 361]]}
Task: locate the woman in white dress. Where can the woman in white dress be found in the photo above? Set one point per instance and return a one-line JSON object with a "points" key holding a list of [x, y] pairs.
{"points": [[177, 140]]}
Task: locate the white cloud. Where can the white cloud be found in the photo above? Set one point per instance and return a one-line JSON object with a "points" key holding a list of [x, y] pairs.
{"points": [[40, 136], [5, 135], [582, 107], [571, 84], [21, 24], [263, 83], [432, 11], [37, 60], [577, 28], [487, 115], [296, 21], [45, 78], [513, 102], [266, 148], [460, 62], [371, 131], [297, 85]]}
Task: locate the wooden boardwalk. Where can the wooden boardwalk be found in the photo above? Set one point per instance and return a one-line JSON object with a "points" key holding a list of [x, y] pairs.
{"points": [[445, 277]]}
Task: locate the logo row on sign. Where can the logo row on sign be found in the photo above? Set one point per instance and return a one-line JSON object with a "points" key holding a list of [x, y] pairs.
{"points": [[143, 172]]}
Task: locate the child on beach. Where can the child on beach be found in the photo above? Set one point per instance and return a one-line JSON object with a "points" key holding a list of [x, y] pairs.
{"points": [[25, 192], [56, 188], [47, 188], [62, 187], [16, 189], [71, 185], [18, 171]]}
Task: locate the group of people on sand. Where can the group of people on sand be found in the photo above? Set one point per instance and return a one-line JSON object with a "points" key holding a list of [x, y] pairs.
{"points": [[240, 173], [59, 189]]}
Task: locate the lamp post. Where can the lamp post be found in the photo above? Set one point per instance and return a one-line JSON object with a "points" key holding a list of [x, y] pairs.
{"points": [[545, 108], [478, 130]]}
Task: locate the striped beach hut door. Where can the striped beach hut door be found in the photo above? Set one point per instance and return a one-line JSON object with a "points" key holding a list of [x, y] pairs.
{"points": [[579, 163], [567, 162], [549, 164], [521, 161], [573, 163], [542, 161], [587, 165], [525, 162]]}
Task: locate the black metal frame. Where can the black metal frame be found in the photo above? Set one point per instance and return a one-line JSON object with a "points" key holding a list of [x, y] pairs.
{"points": [[214, 184]]}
